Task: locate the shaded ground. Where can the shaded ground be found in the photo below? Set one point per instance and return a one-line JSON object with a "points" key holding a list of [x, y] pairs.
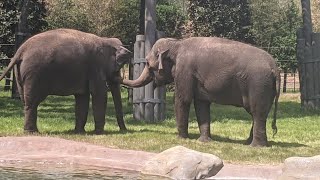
{"points": [[35, 150]]}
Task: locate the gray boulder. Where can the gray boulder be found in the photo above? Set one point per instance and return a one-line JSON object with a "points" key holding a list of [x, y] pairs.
{"points": [[183, 163], [301, 168]]}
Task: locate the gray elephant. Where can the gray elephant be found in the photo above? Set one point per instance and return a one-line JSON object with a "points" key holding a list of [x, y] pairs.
{"points": [[70, 62], [210, 69]]}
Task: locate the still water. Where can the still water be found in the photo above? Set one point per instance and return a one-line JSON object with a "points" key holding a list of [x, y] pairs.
{"points": [[28, 172]]}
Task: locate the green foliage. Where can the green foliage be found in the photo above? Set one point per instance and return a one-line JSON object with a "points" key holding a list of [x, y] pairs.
{"points": [[170, 18], [230, 19], [112, 18], [123, 21], [9, 17], [274, 26], [67, 14]]}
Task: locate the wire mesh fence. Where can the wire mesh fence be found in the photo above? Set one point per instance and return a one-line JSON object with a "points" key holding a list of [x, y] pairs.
{"points": [[289, 75], [4, 61]]}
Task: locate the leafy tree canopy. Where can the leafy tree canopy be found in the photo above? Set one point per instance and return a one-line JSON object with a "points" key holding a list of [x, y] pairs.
{"points": [[9, 17]]}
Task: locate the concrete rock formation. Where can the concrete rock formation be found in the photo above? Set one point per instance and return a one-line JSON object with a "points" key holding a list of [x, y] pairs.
{"points": [[183, 163], [301, 168]]}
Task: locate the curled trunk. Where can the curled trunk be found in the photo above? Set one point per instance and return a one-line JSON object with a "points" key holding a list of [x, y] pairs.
{"points": [[145, 78]]}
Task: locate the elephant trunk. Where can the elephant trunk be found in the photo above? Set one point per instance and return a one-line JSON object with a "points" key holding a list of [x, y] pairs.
{"points": [[145, 78]]}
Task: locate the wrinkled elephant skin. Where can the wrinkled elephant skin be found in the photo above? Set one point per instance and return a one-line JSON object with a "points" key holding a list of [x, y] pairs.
{"points": [[69, 62], [209, 69]]}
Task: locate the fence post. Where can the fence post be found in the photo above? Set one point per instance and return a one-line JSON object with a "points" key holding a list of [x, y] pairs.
{"points": [[315, 73], [138, 65], [301, 65], [150, 33], [160, 94], [309, 61]]}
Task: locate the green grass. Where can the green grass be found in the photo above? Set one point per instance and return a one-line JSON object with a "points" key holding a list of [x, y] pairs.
{"points": [[298, 130]]}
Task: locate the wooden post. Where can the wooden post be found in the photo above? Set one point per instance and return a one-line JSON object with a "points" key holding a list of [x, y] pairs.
{"points": [[308, 55], [307, 31], [138, 107], [315, 67], [307, 22], [301, 65], [148, 103], [150, 33], [159, 94]]}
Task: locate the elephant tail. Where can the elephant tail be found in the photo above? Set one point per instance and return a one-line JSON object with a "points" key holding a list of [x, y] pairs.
{"points": [[278, 81], [13, 61]]}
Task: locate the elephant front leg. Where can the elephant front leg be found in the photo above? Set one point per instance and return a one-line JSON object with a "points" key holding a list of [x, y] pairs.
{"points": [[99, 104], [202, 109], [81, 112], [116, 95], [182, 116]]}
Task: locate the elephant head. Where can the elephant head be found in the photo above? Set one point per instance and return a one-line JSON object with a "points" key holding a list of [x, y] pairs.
{"points": [[121, 56], [160, 64]]}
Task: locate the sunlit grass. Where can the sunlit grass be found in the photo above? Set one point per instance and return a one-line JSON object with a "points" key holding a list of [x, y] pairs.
{"points": [[298, 130]]}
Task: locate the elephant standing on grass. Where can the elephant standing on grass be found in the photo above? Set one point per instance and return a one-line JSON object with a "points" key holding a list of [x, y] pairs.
{"points": [[69, 62], [210, 69]]}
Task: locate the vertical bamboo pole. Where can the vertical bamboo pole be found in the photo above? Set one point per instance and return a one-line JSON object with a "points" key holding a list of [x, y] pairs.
{"points": [[142, 89], [150, 32], [138, 46], [316, 69], [159, 94]]}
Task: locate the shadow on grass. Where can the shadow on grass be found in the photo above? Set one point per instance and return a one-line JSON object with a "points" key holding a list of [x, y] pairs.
{"points": [[106, 132], [234, 141]]}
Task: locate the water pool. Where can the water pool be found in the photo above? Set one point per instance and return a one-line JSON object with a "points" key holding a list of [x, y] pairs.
{"points": [[28, 172], [43, 171]]}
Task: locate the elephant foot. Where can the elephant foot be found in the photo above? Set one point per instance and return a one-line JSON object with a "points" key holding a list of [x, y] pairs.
{"points": [[79, 131], [99, 131], [183, 136], [259, 144], [204, 139], [31, 131], [123, 130]]}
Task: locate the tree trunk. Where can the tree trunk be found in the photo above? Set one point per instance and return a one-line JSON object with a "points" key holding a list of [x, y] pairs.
{"points": [[21, 35]]}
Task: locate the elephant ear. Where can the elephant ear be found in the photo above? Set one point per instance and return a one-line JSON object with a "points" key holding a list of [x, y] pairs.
{"points": [[161, 56], [122, 55]]}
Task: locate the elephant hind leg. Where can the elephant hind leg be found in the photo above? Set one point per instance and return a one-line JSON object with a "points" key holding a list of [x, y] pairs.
{"points": [[33, 95], [81, 112], [259, 110], [31, 104]]}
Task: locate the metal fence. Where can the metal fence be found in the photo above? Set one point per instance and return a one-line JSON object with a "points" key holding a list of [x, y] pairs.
{"points": [[287, 62], [289, 78], [4, 61]]}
